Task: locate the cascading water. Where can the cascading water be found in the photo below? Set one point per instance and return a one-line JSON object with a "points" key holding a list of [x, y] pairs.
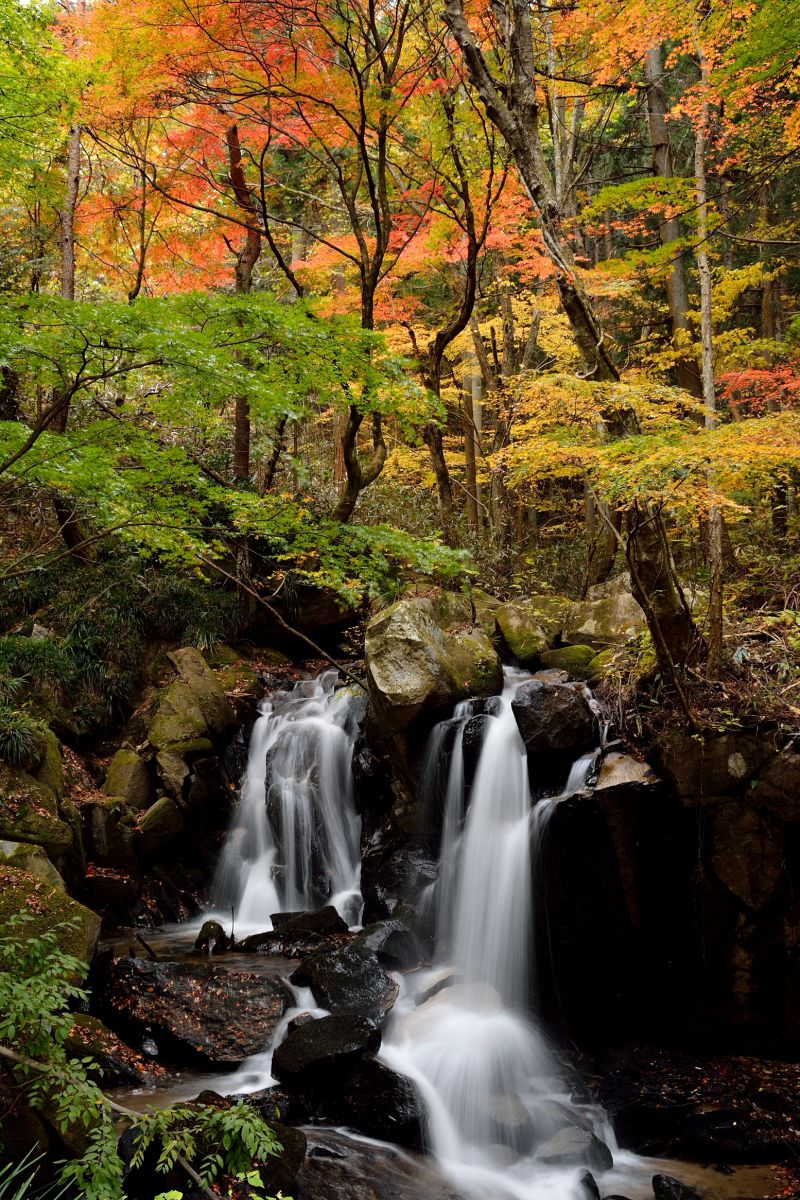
{"points": [[486, 1073], [294, 842]]}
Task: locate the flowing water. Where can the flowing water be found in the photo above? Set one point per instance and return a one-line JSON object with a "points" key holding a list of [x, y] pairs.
{"points": [[294, 842], [488, 1077]]}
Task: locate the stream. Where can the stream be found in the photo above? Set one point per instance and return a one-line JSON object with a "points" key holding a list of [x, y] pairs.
{"points": [[495, 1092]]}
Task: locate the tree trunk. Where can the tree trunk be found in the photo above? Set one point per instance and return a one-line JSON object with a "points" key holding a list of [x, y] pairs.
{"points": [[470, 447], [715, 519], [669, 228]]}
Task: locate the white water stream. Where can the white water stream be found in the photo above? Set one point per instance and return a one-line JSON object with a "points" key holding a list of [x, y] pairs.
{"points": [[294, 842], [488, 1077]]}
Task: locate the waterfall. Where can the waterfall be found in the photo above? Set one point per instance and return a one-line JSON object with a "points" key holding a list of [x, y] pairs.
{"points": [[294, 841], [488, 1077]]}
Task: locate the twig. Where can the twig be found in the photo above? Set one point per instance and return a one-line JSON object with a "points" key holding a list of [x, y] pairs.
{"points": [[148, 948]]}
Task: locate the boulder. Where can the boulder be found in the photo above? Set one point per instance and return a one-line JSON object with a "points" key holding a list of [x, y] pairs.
{"points": [[212, 939], [162, 822], [393, 943], [280, 1171], [29, 812], [325, 920], [107, 827], [198, 676], [50, 771], [531, 626], [600, 666], [48, 909], [378, 1102], [32, 859], [588, 1185], [485, 608], [575, 660], [554, 717], [414, 665], [338, 1167], [313, 1052], [178, 718], [608, 616], [197, 1013], [350, 980], [574, 1147], [129, 779], [667, 1188], [117, 1063], [173, 770]]}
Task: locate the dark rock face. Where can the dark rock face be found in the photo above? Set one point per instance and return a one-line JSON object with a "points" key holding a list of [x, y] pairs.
{"points": [[472, 744], [573, 1147], [395, 946], [324, 921], [667, 1188], [554, 717], [725, 1109], [338, 1169], [196, 1014], [350, 980], [313, 1052], [280, 1172], [381, 1104]]}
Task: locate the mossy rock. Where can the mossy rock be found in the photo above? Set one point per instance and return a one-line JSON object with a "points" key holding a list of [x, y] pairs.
{"points": [[197, 675], [50, 771], [32, 859], [48, 908], [238, 677], [575, 660], [600, 665], [607, 621], [29, 812], [129, 779], [485, 608], [414, 665], [162, 822], [178, 719], [529, 627]]}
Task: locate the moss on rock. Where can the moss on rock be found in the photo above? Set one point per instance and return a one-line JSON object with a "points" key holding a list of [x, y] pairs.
{"points": [[575, 660], [29, 812], [129, 778], [49, 909], [530, 626]]}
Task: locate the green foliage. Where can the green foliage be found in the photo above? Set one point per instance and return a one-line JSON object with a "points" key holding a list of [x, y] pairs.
{"points": [[20, 1181], [37, 991]]}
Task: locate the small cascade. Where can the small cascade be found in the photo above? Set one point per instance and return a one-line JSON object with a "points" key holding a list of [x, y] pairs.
{"points": [[488, 1077], [294, 841]]}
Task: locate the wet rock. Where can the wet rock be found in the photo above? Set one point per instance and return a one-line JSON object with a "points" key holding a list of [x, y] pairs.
{"points": [[441, 979], [195, 1013], [324, 921], [373, 784], [350, 980], [472, 743], [108, 834], [382, 1104], [280, 1171], [212, 939], [277, 1104], [588, 1185], [573, 1147], [531, 626], [118, 1064], [129, 779], [509, 1122], [393, 943], [554, 718], [608, 616], [337, 1168], [313, 1052], [667, 1188], [575, 660], [414, 665], [162, 822]]}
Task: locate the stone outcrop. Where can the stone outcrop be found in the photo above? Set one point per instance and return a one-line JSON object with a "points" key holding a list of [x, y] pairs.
{"points": [[608, 616], [554, 718], [416, 665], [531, 626], [29, 813]]}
